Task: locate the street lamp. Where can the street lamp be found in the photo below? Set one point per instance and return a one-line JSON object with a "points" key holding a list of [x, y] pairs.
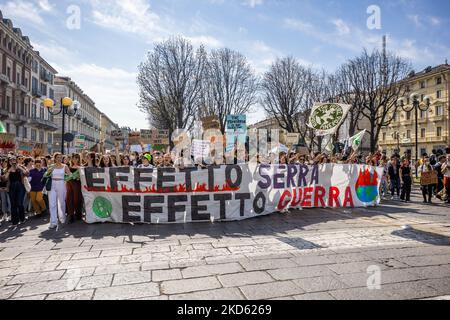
{"points": [[67, 107], [416, 105]]}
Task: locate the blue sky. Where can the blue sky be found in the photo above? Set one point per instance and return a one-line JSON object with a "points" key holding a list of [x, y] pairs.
{"points": [[114, 35]]}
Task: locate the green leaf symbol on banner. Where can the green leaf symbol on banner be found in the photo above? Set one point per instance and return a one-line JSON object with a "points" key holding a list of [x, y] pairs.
{"points": [[102, 207]]}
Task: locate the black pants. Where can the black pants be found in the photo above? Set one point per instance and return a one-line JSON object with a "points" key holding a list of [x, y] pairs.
{"points": [[427, 191], [406, 189], [395, 185], [16, 194]]}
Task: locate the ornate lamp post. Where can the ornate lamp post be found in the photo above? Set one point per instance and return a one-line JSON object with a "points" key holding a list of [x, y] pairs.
{"points": [[67, 107], [416, 105]]}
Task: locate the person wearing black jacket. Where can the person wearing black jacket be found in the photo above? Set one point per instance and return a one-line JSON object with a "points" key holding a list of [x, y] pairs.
{"points": [[394, 177]]}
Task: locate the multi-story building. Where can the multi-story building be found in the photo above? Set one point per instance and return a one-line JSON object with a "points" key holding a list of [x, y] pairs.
{"points": [[106, 127], [86, 122], [25, 79], [433, 124], [270, 124]]}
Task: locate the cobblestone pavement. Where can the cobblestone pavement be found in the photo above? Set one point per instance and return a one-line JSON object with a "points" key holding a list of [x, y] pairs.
{"points": [[306, 254]]}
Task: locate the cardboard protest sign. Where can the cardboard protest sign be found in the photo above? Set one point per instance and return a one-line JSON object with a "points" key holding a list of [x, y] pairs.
{"points": [[429, 177], [292, 138], [24, 147], [7, 140], [146, 136], [117, 135], [134, 138], [237, 122], [159, 136], [210, 122], [228, 192]]}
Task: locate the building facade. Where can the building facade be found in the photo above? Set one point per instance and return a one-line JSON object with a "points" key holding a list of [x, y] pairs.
{"points": [[25, 78], [433, 124], [87, 120], [107, 126]]}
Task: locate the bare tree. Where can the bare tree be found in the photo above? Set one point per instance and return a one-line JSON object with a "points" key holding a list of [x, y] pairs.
{"points": [[170, 84], [376, 85], [285, 94], [230, 85]]}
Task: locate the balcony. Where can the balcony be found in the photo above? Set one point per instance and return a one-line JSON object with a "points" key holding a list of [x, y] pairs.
{"points": [[4, 78], [22, 88], [43, 124], [36, 93], [46, 76], [18, 119], [422, 120]]}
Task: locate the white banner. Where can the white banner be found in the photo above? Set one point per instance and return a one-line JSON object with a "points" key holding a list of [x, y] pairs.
{"points": [[228, 192]]}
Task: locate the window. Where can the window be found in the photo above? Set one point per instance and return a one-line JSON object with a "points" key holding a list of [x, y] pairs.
{"points": [[35, 84], [41, 136], [438, 80], [8, 73], [423, 114], [25, 132], [422, 84], [384, 136], [49, 138], [18, 78], [7, 127], [439, 131], [439, 111], [8, 103], [408, 134], [51, 94], [438, 94], [43, 89], [423, 150], [408, 115], [33, 134], [421, 97], [422, 132], [33, 111]]}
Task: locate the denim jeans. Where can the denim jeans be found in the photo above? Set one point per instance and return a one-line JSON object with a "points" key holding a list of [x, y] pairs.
{"points": [[6, 204]]}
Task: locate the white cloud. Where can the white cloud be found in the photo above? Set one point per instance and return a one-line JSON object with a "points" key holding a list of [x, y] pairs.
{"points": [[253, 3], [415, 19], [22, 10], [341, 27], [208, 41], [298, 25], [435, 21], [45, 5]]}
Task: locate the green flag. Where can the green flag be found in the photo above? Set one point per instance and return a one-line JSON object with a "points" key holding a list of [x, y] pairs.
{"points": [[2, 128], [356, 140]]}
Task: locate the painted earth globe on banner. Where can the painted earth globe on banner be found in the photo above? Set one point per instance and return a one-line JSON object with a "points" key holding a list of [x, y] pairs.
{"points": [[367, 186], [102, 207], [326, 116]]}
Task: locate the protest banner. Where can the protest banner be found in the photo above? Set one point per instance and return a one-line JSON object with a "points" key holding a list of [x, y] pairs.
{"points": [[24, 147], [429, 177], [134, 138], [228, 192], [7, 140], [326, 118], [237, 122]]}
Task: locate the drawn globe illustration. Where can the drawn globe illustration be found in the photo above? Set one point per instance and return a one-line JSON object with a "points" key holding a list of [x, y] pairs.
{"points": [[102, 207], [367, 186], [326, 116]]}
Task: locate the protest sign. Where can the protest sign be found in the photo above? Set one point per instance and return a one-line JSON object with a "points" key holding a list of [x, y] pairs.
{"points": [[24, 147], [7, 140], [237, 122], [429, 177], [134, 138], [146, 136], [136, 148], [325, 118], [228, 192], [117, 135], [292, 138], [210, 122], [160, 137], [80, 141], [200, 149]]}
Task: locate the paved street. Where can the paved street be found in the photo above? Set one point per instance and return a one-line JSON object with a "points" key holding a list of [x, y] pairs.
{"points": [[309, 254]]}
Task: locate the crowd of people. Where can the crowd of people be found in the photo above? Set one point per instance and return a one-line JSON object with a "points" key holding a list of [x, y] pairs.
{"points": [[43, 185]]}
